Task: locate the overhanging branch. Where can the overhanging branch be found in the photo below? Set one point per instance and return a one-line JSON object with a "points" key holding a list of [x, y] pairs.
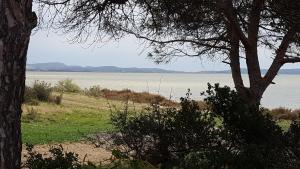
{"points": [[290, 59], [228, 10], [279, 60]]}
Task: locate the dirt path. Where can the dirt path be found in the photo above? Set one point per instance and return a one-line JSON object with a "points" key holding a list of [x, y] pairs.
{"points": [[83, 149]]}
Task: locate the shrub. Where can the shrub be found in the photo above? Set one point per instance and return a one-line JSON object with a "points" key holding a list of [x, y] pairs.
{"points": [[67, 85], [42, 90], [163, 136], [94, 91], [296, 112], [254, 139], [56, 99], [284, 113], [59, 159], [30, 96], [143, 97], [190, 137]]}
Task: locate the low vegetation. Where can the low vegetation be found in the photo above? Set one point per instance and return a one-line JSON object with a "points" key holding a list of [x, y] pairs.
{"points": [[59, 159], [50, 116], [192, 138], [186, 135], [41, 91], [126, 94], [136, 97], [67, 85], [284, 113]]}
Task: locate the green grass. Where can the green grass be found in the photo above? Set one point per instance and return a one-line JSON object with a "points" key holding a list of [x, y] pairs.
{"points": [[77, 117], [70, 128]]}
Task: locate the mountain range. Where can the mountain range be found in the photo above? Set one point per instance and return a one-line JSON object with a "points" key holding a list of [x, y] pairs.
{"points": [[61, 67]]}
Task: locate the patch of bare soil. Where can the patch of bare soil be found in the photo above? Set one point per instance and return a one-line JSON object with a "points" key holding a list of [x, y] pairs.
{"points": [[86, 151]]}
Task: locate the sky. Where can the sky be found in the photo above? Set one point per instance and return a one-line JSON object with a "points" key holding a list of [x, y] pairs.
{"points": [[47, 46]]}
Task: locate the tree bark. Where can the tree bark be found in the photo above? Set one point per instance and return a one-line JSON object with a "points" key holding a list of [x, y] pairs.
{"points": [[16, 22], [234, 56]]}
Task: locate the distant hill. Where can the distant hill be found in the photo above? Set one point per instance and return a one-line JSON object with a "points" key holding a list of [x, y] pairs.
{"points": [[61, 67]]}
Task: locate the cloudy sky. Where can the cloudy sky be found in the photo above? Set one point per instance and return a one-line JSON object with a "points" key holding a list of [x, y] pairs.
{"points": [[46, 46]]}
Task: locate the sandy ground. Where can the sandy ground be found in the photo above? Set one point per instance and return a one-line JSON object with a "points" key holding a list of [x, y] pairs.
{"points": [[85, 150]]}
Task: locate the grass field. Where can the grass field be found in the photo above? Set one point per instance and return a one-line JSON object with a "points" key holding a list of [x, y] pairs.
{"points": [[77, 117]]}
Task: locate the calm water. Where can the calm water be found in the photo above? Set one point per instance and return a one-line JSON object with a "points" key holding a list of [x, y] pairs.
{"points": [[285, 92]]}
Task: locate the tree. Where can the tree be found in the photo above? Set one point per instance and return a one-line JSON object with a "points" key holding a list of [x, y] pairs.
{"points": [[234, 29], [16, 22]]}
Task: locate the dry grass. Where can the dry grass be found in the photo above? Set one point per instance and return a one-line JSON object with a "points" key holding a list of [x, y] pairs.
{"points": [[285, 113], [143, 97]]}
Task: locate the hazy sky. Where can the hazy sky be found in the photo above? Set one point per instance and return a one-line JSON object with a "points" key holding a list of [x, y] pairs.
{"points": [[47, 46]]}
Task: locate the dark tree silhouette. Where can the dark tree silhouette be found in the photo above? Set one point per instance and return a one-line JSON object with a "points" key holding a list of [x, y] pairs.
{"points": [[234, 29]]}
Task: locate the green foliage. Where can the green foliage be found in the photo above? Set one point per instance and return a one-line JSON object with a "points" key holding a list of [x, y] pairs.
{"points": [[59, 159], [196, 160], [165, 135], [190, 138], [128, 164], [254, 139], [67, 85]]}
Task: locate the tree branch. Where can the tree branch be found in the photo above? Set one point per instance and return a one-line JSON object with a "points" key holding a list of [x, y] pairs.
{"points": [[279, 60], [200, 42], [254, 20], [291, 60], [230, 15]]}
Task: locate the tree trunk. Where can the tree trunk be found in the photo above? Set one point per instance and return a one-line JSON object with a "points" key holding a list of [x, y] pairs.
{"points": [[252, 98], [16, 22]]}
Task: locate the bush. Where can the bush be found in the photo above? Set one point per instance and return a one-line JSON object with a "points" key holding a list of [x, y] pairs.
{"points": [[40, 91], [254, 139], [30, 96], [94, 91], [143, 97], [59, 159], [67, 85], [163, 136], [56, 99], [296, 112], [191, 138], [284, 113]]}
